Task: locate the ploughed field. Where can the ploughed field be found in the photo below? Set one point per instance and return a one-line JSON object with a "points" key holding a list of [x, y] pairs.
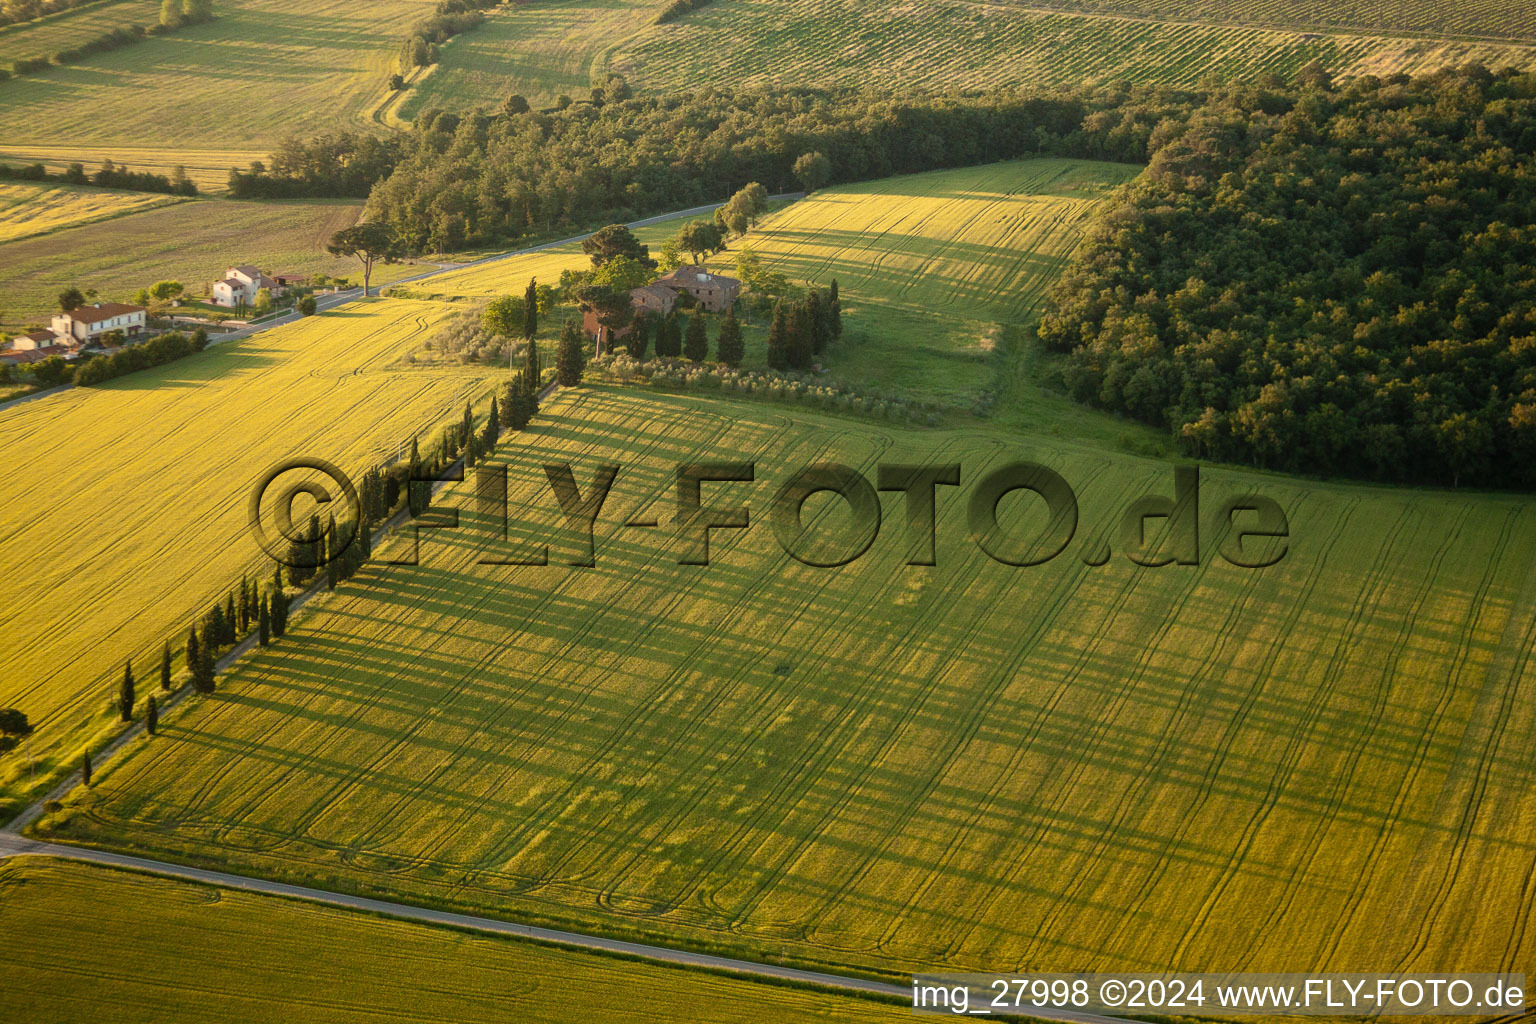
{"points": [[133, 521], [163, 949], [1323, 763]]}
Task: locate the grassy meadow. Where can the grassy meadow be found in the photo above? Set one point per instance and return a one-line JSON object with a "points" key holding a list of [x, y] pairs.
{"points": [[163, 949], [1478, 19], [540, 51], [144, 524], [1326, 763], [43, 37], [209, 168], [34, 209], [947, 44], [190, 241], [262, 70]]}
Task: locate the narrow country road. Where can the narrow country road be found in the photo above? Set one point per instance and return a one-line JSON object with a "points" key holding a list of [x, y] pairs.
{"points": [[12, 845]]}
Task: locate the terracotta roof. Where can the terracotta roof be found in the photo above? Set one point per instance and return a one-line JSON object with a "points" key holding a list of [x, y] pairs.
{"points": [[655, 291], [247, 270], [48, 336], [697, 275], [102, 311]]}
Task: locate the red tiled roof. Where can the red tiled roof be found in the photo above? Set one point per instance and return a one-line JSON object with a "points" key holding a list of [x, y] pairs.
{"points": [[102, 311]]}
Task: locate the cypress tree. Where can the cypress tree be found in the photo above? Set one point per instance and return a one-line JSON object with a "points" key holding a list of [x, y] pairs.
{"points": [[638, 340], [669, 337], [244, 607], [85, 769], [778, 338], [316, 542], [835, 310], [202, 673], [151, 717], [231, 632], [332, 568], [213, 628], [819, 318], [801, 340], [279, 612], [696, 347], [731, 349], [531, 309], [263, 624], [125, 693], [194, 651], [533, 373], [165, 667], [569, 360], [467, 427], [492, 427]]}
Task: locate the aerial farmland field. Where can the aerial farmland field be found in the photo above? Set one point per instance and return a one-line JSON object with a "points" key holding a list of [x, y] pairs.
{"points": [[27, 209], [539, 51], [957, 43], [261, 959], [185, 241], [261, 70], [884, 766], [144, 525], [46, 36]]}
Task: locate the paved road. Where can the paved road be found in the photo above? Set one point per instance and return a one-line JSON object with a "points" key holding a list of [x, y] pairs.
{"points": [[12, 845]]}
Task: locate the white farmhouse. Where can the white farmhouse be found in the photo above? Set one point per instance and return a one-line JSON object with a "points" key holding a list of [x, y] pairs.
{"points": [[85, 324], [240, 285]]}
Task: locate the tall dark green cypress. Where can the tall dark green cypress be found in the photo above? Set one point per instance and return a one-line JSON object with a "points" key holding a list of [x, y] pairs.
{"points": [[801, 339], [231, 627], [85, 769], [638, 340], [533, 372], [194, 651], [835, 309], [243, 606], [778, 338], [165, 666], [467, 424], [531, 309], [696, 347], [151, 717], [263, 624], [125, 693], [492, 427], [570, 362], [729, 347]]}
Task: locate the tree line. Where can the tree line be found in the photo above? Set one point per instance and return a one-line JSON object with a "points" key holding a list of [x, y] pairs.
{"points": [[108, 175], [492, 177], [174, 14], [1338, 280]]}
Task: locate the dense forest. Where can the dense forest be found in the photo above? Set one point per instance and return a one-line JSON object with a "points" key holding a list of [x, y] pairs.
{"points": [[489, 178], [1337, 281], [1310, 277]]}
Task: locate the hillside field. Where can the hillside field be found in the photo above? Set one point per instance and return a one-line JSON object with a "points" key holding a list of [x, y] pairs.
{"points": [[32, 209], [262, 70], [1321, 764], [540, 51], [216, 955], [43, 37], [189, 241], [948, 44], [142, 522]]}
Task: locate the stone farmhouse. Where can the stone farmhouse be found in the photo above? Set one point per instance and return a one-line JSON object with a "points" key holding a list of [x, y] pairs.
{"points": [[715, 293], [86, 324]]}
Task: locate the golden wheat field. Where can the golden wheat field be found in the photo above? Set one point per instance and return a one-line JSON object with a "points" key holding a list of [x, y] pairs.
{"points": [[216, 955], [979, 243], [1317, 765], [27, 210], [260, 71], [948, 44], [138, 522]]}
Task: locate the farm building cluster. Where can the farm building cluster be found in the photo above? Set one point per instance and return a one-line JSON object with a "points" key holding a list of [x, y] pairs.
{"points": [[714, 293]]}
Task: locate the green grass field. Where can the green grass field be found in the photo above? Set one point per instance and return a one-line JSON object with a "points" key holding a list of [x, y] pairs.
{"points": [[46, 36], [192, 242], [27, 209], [264, 69], [947, 44], [539, 50], [1319, 765], [161, 949], [144, 524]]}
